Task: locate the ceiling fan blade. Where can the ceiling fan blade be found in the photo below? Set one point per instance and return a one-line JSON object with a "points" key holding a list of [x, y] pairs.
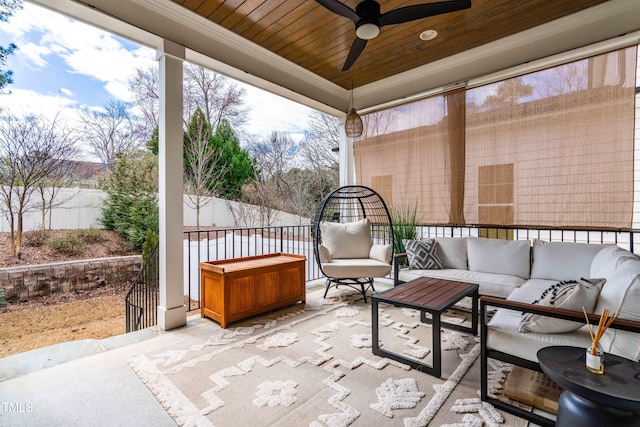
{"points": [[339, 8], [356, 49], [419, 11]]}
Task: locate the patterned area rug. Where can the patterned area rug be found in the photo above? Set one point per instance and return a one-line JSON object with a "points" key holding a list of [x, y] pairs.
{"points": [[312, 365]]}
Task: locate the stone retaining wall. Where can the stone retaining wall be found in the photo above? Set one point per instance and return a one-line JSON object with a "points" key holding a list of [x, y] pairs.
{"points": [[25, 283]]}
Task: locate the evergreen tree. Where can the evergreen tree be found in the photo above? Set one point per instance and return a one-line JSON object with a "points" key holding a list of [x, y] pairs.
{"points": [[7, 7], [131, 205], [238, 166]]}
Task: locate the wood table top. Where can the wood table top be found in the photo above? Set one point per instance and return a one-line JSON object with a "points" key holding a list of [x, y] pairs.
{"points": [[428, 293]]}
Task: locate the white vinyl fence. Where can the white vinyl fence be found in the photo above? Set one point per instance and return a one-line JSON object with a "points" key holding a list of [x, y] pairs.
{"points": [[77, 208]]}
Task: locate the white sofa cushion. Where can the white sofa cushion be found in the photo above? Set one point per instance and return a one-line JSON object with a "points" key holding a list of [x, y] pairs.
{"points": [[496, 285], [422, 254], [568, 295], [503, 335], [621, 294], [381, 252], [607, 261], [499, 256], [563, 260], [356, 268], [347, 240], [452, 252]]}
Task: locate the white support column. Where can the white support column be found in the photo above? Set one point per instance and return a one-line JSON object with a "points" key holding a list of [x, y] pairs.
{"points": [[346, 158], [172, 312]]}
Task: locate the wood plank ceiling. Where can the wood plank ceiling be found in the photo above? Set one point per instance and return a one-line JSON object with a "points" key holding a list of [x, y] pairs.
{"points": [[307, 34]]}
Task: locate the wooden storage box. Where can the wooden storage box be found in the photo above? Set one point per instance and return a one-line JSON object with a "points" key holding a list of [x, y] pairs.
{"points": [[238, 288]]}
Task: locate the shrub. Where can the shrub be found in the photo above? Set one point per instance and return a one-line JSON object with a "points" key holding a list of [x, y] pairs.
{"points": [[36, 238], [150, 243], [70, 244], [3, 297], [131, 205], [91, 235]]}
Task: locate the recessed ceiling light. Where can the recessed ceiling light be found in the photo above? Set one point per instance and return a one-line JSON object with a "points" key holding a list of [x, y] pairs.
{"points": [[428, 35]]}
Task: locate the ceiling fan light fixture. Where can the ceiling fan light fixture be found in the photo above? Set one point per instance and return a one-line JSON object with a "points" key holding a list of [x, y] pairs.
{"points": [[428, 35], [367, 31]]}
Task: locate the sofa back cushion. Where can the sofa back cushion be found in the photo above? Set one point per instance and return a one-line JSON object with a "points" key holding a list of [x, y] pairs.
{"points": [[607, 261], [563, 260], [452, 252], [347, 240], [499, 256], [621, 294]]}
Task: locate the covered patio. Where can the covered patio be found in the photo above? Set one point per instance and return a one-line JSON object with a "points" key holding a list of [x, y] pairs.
{"points": [[296, 49]]}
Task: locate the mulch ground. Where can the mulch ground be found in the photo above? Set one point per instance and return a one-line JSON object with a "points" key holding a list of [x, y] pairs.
{"points": [[56, 318]]}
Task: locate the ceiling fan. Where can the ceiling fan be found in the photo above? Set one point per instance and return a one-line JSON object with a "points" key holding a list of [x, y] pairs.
{"points": [[368, 19]]}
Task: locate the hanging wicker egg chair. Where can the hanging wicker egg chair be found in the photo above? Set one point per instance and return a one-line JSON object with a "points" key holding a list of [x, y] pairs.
{"points": [[346, 209]]}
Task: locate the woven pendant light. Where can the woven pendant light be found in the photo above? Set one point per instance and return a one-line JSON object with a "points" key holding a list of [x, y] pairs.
{"points": [[353, 124]]}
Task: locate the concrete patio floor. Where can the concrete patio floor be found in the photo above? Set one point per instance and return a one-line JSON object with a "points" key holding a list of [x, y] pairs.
{"points": [[85, 383], [89, 382]]}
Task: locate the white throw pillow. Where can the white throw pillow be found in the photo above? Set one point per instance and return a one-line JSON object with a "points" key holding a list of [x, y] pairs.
{"points": [[563, 260], [325, 255], [568, 295], [422, 254], [380, 252], [499, 256], [452, 252], [347, 240]]}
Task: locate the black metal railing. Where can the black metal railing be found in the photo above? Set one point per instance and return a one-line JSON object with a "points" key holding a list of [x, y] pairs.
{"points": [[220, 244], [141, 301], [622, 238], [214, 245]]}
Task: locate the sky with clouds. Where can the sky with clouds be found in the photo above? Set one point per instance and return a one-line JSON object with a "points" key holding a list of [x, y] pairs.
{"points": [[62, 64]]}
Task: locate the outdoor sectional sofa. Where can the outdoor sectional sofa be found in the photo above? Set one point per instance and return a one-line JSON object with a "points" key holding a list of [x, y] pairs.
{"points": [[518, 317]]}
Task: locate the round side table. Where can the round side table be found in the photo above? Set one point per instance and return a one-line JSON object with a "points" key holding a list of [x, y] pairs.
{"points": [[592, 400]]}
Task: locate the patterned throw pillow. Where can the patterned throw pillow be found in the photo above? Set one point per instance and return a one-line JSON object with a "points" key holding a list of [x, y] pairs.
{"points": [[568, 295], [422, 254]]}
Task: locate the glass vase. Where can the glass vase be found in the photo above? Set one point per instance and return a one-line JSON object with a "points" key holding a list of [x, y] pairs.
{"points": [[595, 362]]}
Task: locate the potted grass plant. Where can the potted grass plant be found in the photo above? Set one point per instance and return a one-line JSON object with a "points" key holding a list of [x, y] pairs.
{"points": [[405, 226]]}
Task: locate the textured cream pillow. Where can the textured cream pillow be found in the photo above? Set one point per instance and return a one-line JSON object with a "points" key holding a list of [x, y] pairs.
{"points": [[380, 252], [325, 255], [568, 295], [347, 240]]}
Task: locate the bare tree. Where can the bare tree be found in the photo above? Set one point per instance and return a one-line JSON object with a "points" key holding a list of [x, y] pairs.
{"points": [[202, 169], [110, 132], [217, 96], [49, 188], [270, 189], [377, 123], [321, 142], [319, 152], [144, 86], [31, 149], [508, 93]]}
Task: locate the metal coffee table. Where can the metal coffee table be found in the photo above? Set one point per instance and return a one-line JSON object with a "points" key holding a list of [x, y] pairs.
{"points": [[429, 296]]}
